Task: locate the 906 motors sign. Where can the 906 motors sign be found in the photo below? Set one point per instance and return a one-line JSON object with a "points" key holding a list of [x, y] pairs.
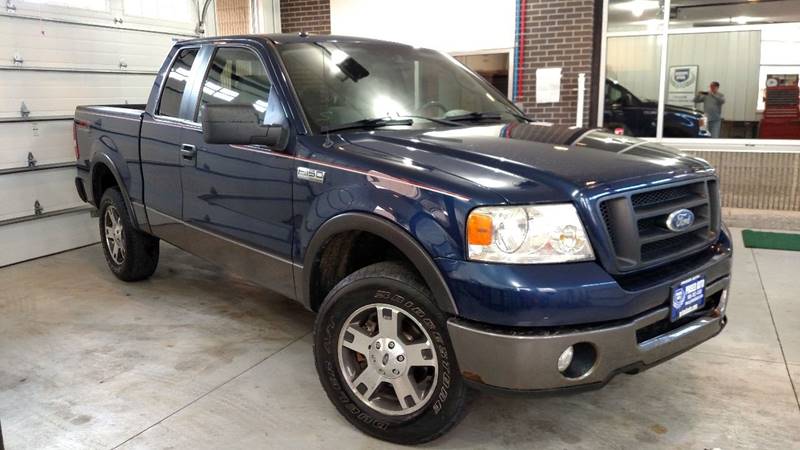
{"points": [[682, 85], [688, 296]]}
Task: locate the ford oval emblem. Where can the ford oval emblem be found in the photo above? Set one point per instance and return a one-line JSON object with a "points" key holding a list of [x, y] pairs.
{"points": [[680, 220]]}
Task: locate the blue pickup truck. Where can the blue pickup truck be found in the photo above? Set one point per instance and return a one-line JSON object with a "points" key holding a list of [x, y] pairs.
{"points": [[444, 240]]}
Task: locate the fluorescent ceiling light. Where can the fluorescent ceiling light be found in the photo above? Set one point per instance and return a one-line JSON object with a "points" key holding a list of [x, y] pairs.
{"points": [[638, 7], [652, 24]]}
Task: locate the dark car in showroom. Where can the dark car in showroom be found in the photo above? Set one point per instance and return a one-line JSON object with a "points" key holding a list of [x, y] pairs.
{"points": [[625, 113]]}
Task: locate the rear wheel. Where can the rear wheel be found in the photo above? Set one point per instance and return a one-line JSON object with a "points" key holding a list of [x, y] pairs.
{"points": [[131, 255], [384, 357]]}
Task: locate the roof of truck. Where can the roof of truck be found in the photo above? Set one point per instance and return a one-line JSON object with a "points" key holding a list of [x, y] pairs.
{"points": [[289, 38]]}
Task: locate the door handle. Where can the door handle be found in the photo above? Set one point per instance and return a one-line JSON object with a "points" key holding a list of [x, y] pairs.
{"points": [[188, 151]]}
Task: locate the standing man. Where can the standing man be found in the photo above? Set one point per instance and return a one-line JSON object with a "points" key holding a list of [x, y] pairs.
{"points": [[712, 101]]}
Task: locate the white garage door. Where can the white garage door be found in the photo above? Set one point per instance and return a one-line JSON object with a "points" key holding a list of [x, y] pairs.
{"points": [[55, 55]]}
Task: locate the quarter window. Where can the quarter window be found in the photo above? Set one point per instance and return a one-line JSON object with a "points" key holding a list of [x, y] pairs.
{"points": [[236, 76], [725, 69], [175, 84]]}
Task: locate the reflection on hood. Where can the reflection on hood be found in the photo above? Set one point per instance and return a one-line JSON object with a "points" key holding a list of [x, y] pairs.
{"points": [[546, 134], [567, 136]]}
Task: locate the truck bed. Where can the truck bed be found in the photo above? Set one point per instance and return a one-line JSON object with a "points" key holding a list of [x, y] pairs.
{"points": [[110, 132]]}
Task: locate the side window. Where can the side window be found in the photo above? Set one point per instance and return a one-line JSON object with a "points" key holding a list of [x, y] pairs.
{"points": [[235, 76], [175, 83], [613, 94]]}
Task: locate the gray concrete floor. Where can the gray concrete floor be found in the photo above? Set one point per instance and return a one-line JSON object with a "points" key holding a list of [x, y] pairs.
{"points": [[195, 358]]}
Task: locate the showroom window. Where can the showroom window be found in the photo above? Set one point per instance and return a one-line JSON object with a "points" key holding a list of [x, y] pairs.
{"points": [[703, 69]]}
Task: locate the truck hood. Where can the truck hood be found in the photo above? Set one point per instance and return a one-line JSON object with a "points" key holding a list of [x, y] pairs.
{"points": [[512, 158]]}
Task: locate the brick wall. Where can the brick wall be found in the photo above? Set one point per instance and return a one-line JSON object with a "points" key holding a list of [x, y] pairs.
{"points": [[558, 34], [233, 17], [313, 16]]}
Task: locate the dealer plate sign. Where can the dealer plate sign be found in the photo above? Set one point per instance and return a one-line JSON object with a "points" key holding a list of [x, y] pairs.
{"points": [[688, 296]]}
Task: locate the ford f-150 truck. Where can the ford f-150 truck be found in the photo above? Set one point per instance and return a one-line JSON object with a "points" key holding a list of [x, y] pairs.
{"points": [[444, 239]]}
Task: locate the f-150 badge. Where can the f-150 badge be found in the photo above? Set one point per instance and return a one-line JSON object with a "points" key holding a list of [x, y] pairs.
{"points": [[313, 175]]}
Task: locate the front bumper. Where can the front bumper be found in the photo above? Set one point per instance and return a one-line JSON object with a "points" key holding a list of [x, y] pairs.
{"points": [[527, 361]]}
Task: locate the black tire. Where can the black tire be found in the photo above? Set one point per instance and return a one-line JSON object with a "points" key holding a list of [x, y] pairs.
{"points": [[140, 250], [389, 283]]}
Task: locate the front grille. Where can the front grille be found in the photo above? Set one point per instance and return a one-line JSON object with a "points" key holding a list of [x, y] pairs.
{"points": [[604, 211], [636, 223], [661, 196], [666, 247]]}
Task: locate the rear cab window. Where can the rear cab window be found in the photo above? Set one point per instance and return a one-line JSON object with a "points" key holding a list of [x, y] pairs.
{"points": [[175, 83]]}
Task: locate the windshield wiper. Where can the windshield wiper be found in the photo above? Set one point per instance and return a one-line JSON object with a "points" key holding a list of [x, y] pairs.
{"points": [[376, 122]]}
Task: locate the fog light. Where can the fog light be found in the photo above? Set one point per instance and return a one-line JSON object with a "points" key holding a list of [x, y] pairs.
{"points": [[565, 359]]}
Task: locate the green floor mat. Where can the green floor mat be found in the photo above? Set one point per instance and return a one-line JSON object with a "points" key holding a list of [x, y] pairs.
{"points": [[775, 241]]}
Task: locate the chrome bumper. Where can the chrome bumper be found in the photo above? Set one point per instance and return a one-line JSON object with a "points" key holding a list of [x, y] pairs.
{"points": [[528, 362]]}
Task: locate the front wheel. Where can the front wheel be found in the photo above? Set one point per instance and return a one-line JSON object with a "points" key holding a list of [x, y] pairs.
{"points": [[131, 255], [384, 357]]}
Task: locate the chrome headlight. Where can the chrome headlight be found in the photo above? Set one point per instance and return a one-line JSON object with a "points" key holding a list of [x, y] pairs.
{"points": [[527, 234]]}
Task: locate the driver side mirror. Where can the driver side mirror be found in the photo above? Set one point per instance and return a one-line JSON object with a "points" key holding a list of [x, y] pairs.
{"points": [[239, 125]]}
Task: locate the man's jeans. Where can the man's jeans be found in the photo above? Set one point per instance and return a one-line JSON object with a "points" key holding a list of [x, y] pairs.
{"points": [[713, 127]]}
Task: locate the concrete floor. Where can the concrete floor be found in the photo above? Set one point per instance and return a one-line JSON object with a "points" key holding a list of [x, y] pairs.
{"points": [[195, 358]]}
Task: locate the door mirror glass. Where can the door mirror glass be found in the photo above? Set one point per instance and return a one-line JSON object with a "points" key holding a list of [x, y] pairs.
{"points": [[239, 125]]}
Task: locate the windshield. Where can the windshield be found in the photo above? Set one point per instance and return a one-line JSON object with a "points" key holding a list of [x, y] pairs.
{"points": [[341, 83]]}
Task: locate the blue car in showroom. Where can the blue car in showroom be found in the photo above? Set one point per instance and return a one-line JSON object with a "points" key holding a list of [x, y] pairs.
{"points": [[626, 114]]}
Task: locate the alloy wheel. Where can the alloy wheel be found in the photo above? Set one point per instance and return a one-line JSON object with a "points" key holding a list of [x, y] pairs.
{"points": [[114, 234], [388, 359]]}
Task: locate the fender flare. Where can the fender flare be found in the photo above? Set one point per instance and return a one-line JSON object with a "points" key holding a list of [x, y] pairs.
{"points": [[102, 158], [394, 234]]}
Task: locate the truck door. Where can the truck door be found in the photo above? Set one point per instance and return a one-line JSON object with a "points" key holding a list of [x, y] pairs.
{"points": [[160, 142], [240, 197]]}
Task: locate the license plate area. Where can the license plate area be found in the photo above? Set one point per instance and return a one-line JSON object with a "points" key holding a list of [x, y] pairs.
{"points": [[688, 296]]}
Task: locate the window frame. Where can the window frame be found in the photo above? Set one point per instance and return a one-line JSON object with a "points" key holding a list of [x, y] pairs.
{"points": [[198, 61], [197, 87], [663, 35], [198, 93]]}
